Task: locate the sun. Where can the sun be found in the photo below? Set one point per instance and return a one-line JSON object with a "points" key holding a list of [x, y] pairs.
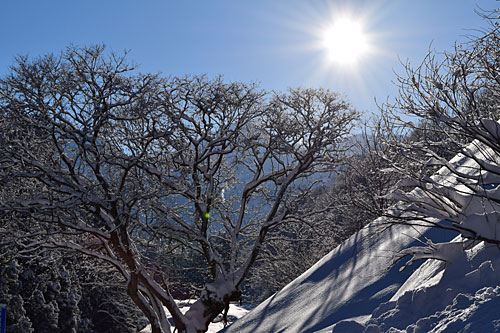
{"points": [[345, 41]]}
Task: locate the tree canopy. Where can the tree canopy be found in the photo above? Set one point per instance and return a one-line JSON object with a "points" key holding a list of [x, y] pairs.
{"points": [[126, 167]]}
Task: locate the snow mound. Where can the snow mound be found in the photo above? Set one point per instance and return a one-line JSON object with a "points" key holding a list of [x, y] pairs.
{"points": [[352, 289], [359, 287], [465, 297], [235, 312], [351, 281]]}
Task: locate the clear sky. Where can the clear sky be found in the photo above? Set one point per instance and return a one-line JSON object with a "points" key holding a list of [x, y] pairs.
{"points": [[278, 43]]}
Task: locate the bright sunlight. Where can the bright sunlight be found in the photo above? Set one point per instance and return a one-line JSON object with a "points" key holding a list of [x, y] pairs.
{"points": [[345, 41]]}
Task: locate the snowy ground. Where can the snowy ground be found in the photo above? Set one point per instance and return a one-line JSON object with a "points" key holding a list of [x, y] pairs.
{"points": [[351, 281], [351, 290], [463, 296], [460, 296], [234, 313], [358, 287]]}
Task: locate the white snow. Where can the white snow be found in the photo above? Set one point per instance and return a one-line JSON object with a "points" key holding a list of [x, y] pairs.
{"points": [[358, 288], [447, 251], [219, 288], [351, 290], [234, 313], [462, 294], [486, 225], [351, 281], [492, 127]]}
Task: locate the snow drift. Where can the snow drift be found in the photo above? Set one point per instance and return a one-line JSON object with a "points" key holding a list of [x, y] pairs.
{"points": [[462, 296], [357, 287], [351, 281]]}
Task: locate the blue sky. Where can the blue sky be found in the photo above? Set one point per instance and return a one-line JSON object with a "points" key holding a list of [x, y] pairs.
{"points": [[274, 42]]}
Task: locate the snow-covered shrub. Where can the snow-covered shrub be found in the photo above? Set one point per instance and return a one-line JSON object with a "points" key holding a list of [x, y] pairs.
{"points": [[444, 125]]}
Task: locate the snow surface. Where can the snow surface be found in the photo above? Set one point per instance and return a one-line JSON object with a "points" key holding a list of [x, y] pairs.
{"points": [[351, 290], [234, 313], [351, 281], [358, 288], [464, 299]]}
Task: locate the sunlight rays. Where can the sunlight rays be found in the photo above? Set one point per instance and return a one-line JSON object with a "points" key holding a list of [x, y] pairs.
{"points": [[345, 41]]}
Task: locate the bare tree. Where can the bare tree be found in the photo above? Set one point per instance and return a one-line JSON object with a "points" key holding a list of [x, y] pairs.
{"points": [[357, 194], [134, 164], [448, 106]]}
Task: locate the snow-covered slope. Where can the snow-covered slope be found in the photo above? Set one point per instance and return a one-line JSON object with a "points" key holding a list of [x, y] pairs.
{"points": [[351, 281], [234, 313], [353, 290], [463, 296]]}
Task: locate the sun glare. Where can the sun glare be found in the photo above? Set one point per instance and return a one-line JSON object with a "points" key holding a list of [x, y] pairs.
{"points": [[345, 41]]}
